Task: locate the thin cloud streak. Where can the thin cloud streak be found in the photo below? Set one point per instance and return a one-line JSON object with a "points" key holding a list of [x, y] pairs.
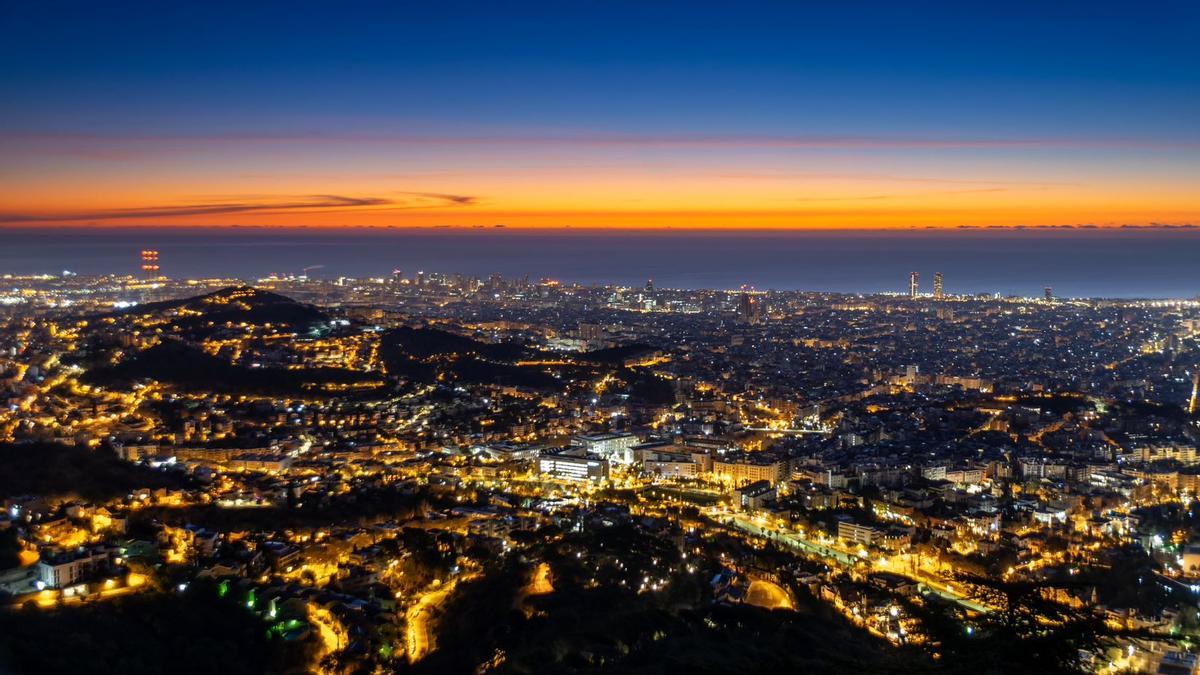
{"points": [[863, 198], [308, 204], [682, 141], [886, 178]]}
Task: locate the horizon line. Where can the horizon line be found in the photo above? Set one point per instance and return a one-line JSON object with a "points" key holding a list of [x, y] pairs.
{"points": [[552, 229]]}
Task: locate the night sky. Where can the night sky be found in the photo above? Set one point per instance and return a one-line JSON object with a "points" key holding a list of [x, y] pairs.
{"points": [[600, 114]]}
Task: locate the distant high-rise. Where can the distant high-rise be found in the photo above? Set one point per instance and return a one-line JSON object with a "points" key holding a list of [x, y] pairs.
{"points": [[914, 284], [937, 285], [750, 309], [1195, 393], [592, 332], [649, 285], [1049, 294], [150, 269]]}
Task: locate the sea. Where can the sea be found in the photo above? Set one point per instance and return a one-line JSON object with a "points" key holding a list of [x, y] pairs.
{"points": [[1076, 262]]}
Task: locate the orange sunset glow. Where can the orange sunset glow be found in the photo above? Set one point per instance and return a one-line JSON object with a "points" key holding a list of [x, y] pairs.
{"points": [[648, 117], [473, 183]]}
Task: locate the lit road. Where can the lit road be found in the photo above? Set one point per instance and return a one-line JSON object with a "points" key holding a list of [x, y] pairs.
{"points": [[789, 431], [744, 523], [328, 630], [539, 584], [419, 637], [50, 598]]}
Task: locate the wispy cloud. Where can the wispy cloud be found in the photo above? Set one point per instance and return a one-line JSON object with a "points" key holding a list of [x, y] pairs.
{"points": [[786, 175], [854, 198], [257, 204], [864, 198], [461, 200], [95, 142], [1085, 226]]}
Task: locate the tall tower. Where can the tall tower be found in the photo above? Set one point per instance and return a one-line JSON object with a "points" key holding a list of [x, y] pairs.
{"points": [[1195, 393], [150, 269], [913, 284], [1049, 294], [750, 309], [937, 286]]}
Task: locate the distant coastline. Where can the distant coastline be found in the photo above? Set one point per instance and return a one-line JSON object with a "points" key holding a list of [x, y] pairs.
{"points": [[1085, 262]]}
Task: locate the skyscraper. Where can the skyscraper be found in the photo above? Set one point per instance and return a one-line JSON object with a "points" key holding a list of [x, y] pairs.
{"points": [[913, 284], [1192, 402], [1049, 294], [937, 285], [750, 309]]}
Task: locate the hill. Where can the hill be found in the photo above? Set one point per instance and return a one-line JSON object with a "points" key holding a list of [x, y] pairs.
{"points": [[232, 305], [617, 356], [51, 469], [181, 365], [426, 342], [192, 632], [425, 354]]}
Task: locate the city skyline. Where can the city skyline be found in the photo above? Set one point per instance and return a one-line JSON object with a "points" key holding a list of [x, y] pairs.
{"points": [[373, 474], [1132, 262]]}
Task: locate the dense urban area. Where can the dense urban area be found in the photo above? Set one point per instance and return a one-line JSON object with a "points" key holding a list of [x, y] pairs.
{"points": [[437, 473]]}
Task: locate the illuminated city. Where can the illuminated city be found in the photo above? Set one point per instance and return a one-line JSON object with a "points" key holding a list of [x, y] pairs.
{"points": [[600, 338], [356, 458]]}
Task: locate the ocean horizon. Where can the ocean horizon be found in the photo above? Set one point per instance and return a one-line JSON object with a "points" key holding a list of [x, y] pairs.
{"points": [[1074, 262]]}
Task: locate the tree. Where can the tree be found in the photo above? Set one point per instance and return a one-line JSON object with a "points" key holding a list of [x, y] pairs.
{"points": [[1026, 631], [10, 548]]}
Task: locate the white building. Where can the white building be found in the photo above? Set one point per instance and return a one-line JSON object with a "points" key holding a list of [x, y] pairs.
{"points": [[671, 465], [616, 448], [573, 465], [68, 568], [852, 532]]}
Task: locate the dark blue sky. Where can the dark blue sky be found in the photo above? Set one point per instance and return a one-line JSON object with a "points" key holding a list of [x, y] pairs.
{"points": [[1028, 68]]}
